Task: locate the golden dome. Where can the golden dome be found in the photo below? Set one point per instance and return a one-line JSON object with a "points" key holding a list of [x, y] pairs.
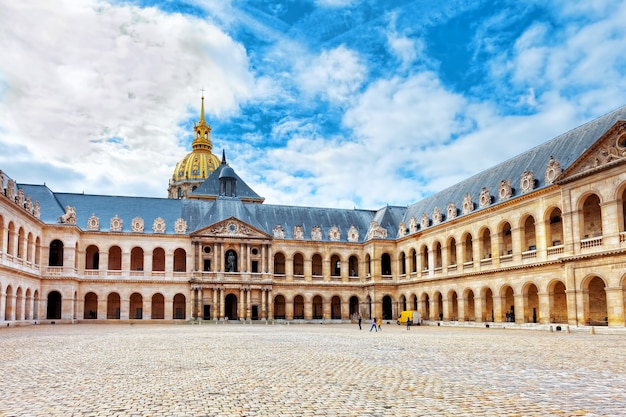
{"points": [[200, 162]]}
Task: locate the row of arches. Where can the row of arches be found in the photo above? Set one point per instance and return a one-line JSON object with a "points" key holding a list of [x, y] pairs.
{"points": [[17, 242], [529, 304]]}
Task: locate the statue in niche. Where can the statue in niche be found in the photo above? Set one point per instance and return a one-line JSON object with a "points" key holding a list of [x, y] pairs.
{"points": [[230, 262]]}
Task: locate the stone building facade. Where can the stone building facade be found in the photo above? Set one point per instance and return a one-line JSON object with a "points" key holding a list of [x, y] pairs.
{"points": [[540, 238]]}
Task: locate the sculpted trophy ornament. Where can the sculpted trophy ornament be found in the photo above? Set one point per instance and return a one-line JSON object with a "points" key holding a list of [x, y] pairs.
{"points": [[485, 198], [413, 225], [468, 204], [527, 182], [505, 190], [158, 226], [137, 225], [334, 233], [451, 210], [93, 223], [437, 216], [316, 233], [553, 170], [353, 234]]}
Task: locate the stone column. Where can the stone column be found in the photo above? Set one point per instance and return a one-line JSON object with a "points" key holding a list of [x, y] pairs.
{"points": [[242, 298], [102, 312], [615, 306], [146, 305], [446, 309], [147, 263], [270, 305], [461, 307], [544, 308], [518, 302], [222, 303], [215, 308], [103, 260], [249, 304], [3, 301], [124, 308], [497, 309]]}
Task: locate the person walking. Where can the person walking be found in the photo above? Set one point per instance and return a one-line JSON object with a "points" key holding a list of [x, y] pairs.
{"points": [[373, 325], [408, 322], [359, 322], [379, 322]]}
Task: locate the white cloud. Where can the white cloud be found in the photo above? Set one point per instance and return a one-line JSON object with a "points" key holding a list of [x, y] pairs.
{"points": [[80, 73], [334, 74]]}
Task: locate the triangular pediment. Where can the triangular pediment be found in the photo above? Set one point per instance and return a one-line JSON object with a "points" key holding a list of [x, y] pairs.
{"points": [[609, 150], [232, 227]]}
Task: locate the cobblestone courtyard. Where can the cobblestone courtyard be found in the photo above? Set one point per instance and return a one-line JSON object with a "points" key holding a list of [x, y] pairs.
{"points": [[307, 370]]}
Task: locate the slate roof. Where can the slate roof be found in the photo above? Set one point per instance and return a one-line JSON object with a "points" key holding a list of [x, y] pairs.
{"points": [[565, 149], [211, 186], [201, 213]]}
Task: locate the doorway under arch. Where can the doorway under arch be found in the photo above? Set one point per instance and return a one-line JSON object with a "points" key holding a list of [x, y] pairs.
{"points": [[230, 307], [54, 305], [387, 308]]}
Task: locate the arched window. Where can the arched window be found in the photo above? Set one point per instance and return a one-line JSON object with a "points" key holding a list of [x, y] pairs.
{"points": [[279, 263], [56, 253]]}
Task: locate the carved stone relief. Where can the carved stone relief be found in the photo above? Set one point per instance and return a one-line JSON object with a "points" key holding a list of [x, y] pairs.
{"points": [[527, 182], [116, 224], [69, 217], [137, 225], [468, 204], [485, 198], [452, 211], [158, 226], [505, 190], [334, 233], [425, 222], [353, 234], [279, 232], [93, 223], [553, 170], [376, 231], [37, 209], [413, 225], [298, 233]]}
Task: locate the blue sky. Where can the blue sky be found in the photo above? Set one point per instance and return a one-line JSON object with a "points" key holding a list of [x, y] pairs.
{"points": [[332, 103]]}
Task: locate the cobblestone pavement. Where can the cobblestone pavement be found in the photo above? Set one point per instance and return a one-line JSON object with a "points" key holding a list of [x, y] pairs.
{"points": [[307, 370]]}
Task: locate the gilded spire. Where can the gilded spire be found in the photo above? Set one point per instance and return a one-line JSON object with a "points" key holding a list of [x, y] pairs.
{"points": [[202, 122]]}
